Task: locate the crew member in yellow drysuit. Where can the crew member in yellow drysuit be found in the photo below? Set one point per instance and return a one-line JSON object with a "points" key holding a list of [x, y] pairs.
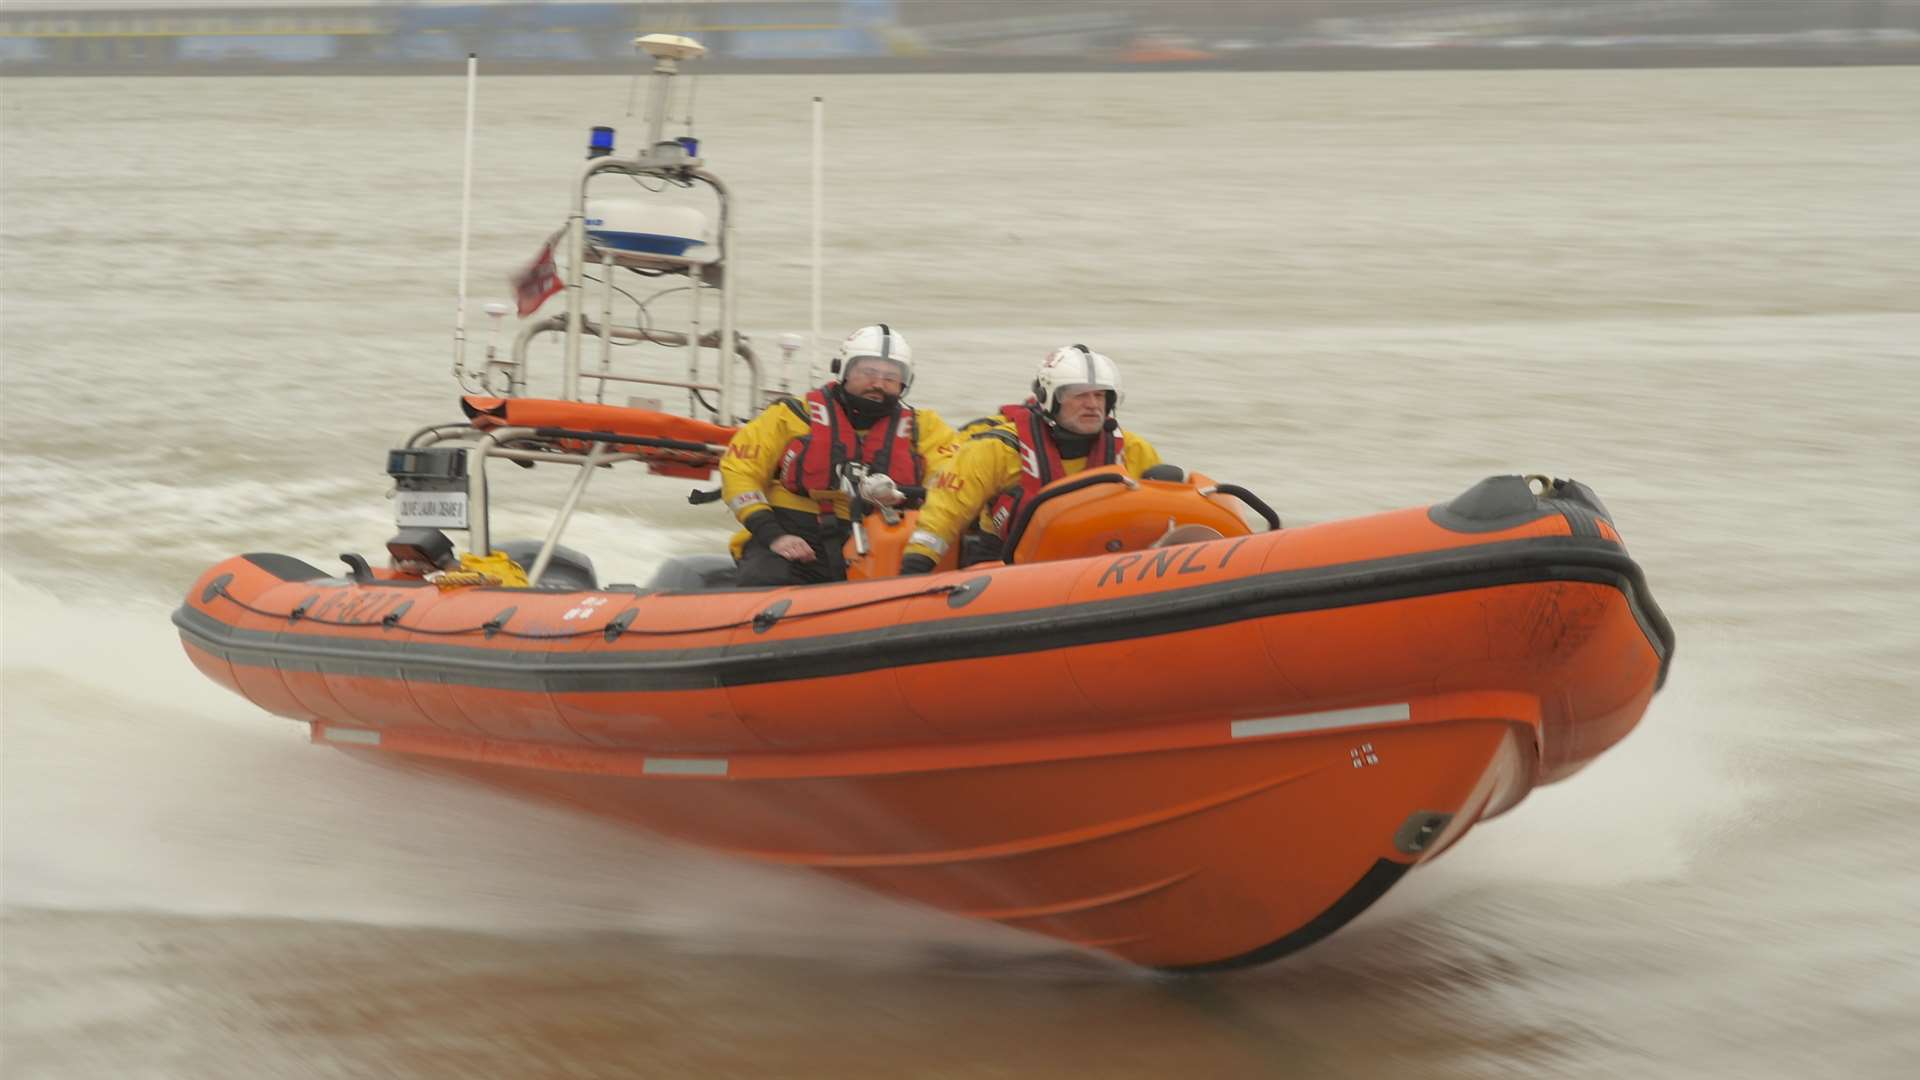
{"points": [[1066, 427], [783, 473]]}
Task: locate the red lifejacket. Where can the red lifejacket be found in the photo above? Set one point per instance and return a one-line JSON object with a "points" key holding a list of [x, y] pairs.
{"points": [[812, 463], [1040, 461]]}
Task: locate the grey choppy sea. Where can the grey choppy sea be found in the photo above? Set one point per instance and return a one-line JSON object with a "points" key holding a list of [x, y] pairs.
{"points": [[1693, 290]]}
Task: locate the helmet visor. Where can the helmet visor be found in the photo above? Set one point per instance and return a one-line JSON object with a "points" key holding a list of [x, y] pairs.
{"points": [[1072, 390], [863, 371]]}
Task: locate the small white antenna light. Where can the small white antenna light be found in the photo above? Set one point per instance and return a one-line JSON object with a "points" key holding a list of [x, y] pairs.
{"points": [[790, 343]]}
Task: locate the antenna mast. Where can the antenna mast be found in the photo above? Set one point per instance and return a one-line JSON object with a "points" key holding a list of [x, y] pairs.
{"points": [[466, 227]]}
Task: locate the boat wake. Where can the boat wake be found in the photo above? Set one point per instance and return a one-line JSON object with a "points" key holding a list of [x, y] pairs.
{"points": [[1646, 813], [132, 784]]}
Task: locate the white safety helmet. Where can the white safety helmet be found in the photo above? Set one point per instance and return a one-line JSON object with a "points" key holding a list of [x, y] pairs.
{"points": [[876, 342], [1071, 367]]}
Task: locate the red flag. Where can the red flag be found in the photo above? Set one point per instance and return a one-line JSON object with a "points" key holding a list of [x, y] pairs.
{"points": [[536, 281]]}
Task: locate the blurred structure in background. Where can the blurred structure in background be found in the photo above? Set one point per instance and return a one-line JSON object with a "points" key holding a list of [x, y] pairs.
{"points": [[148, 37]]}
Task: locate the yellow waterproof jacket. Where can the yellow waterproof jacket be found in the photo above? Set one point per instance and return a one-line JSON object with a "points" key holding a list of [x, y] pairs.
{"points": [[749, 474], [986, 465]]}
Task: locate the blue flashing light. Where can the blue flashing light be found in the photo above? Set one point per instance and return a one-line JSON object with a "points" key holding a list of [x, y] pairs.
{"points": [[600, 143], [691, 144]]}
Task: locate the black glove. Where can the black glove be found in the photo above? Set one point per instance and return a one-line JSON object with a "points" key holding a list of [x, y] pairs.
{"points": [[916, 563], [765, 528]]}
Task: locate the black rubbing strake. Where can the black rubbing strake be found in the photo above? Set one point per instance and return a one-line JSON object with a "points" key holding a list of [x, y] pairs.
{"points": [[1515, 562]]}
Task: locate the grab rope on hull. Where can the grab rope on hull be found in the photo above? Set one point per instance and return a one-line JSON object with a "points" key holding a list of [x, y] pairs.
{"points": [[760, 621]]}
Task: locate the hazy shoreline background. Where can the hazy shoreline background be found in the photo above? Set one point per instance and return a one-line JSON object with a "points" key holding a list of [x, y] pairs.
{"points": [[563, 37]]}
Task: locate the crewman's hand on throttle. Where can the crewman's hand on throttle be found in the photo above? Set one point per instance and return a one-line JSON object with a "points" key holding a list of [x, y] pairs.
{"points": [[915, 563], [792, 549]]}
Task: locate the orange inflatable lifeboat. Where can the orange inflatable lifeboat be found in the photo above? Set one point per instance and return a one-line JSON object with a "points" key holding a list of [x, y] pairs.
{"points": [[1154, 731]]}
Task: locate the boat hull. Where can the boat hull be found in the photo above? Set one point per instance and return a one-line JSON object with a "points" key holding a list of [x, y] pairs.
{"points": [[1200, 756], [1203, 856]]}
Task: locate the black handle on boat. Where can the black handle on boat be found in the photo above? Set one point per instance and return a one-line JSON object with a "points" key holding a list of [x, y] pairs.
{"points": [[623, 440], [1254, 502], [1025, 513]]}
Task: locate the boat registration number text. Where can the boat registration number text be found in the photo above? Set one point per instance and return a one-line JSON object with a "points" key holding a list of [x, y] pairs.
{"points": [[441, 509]]}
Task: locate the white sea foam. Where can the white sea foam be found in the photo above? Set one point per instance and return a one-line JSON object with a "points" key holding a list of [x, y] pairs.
{"points": [[133, 783]]}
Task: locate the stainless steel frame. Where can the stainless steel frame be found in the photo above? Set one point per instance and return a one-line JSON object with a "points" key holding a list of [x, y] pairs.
{"points": [[668, 162], [483, 445]]}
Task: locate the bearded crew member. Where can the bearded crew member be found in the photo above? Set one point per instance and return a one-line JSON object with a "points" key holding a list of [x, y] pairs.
{"points": [[1068, 426], [783, 473]]}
